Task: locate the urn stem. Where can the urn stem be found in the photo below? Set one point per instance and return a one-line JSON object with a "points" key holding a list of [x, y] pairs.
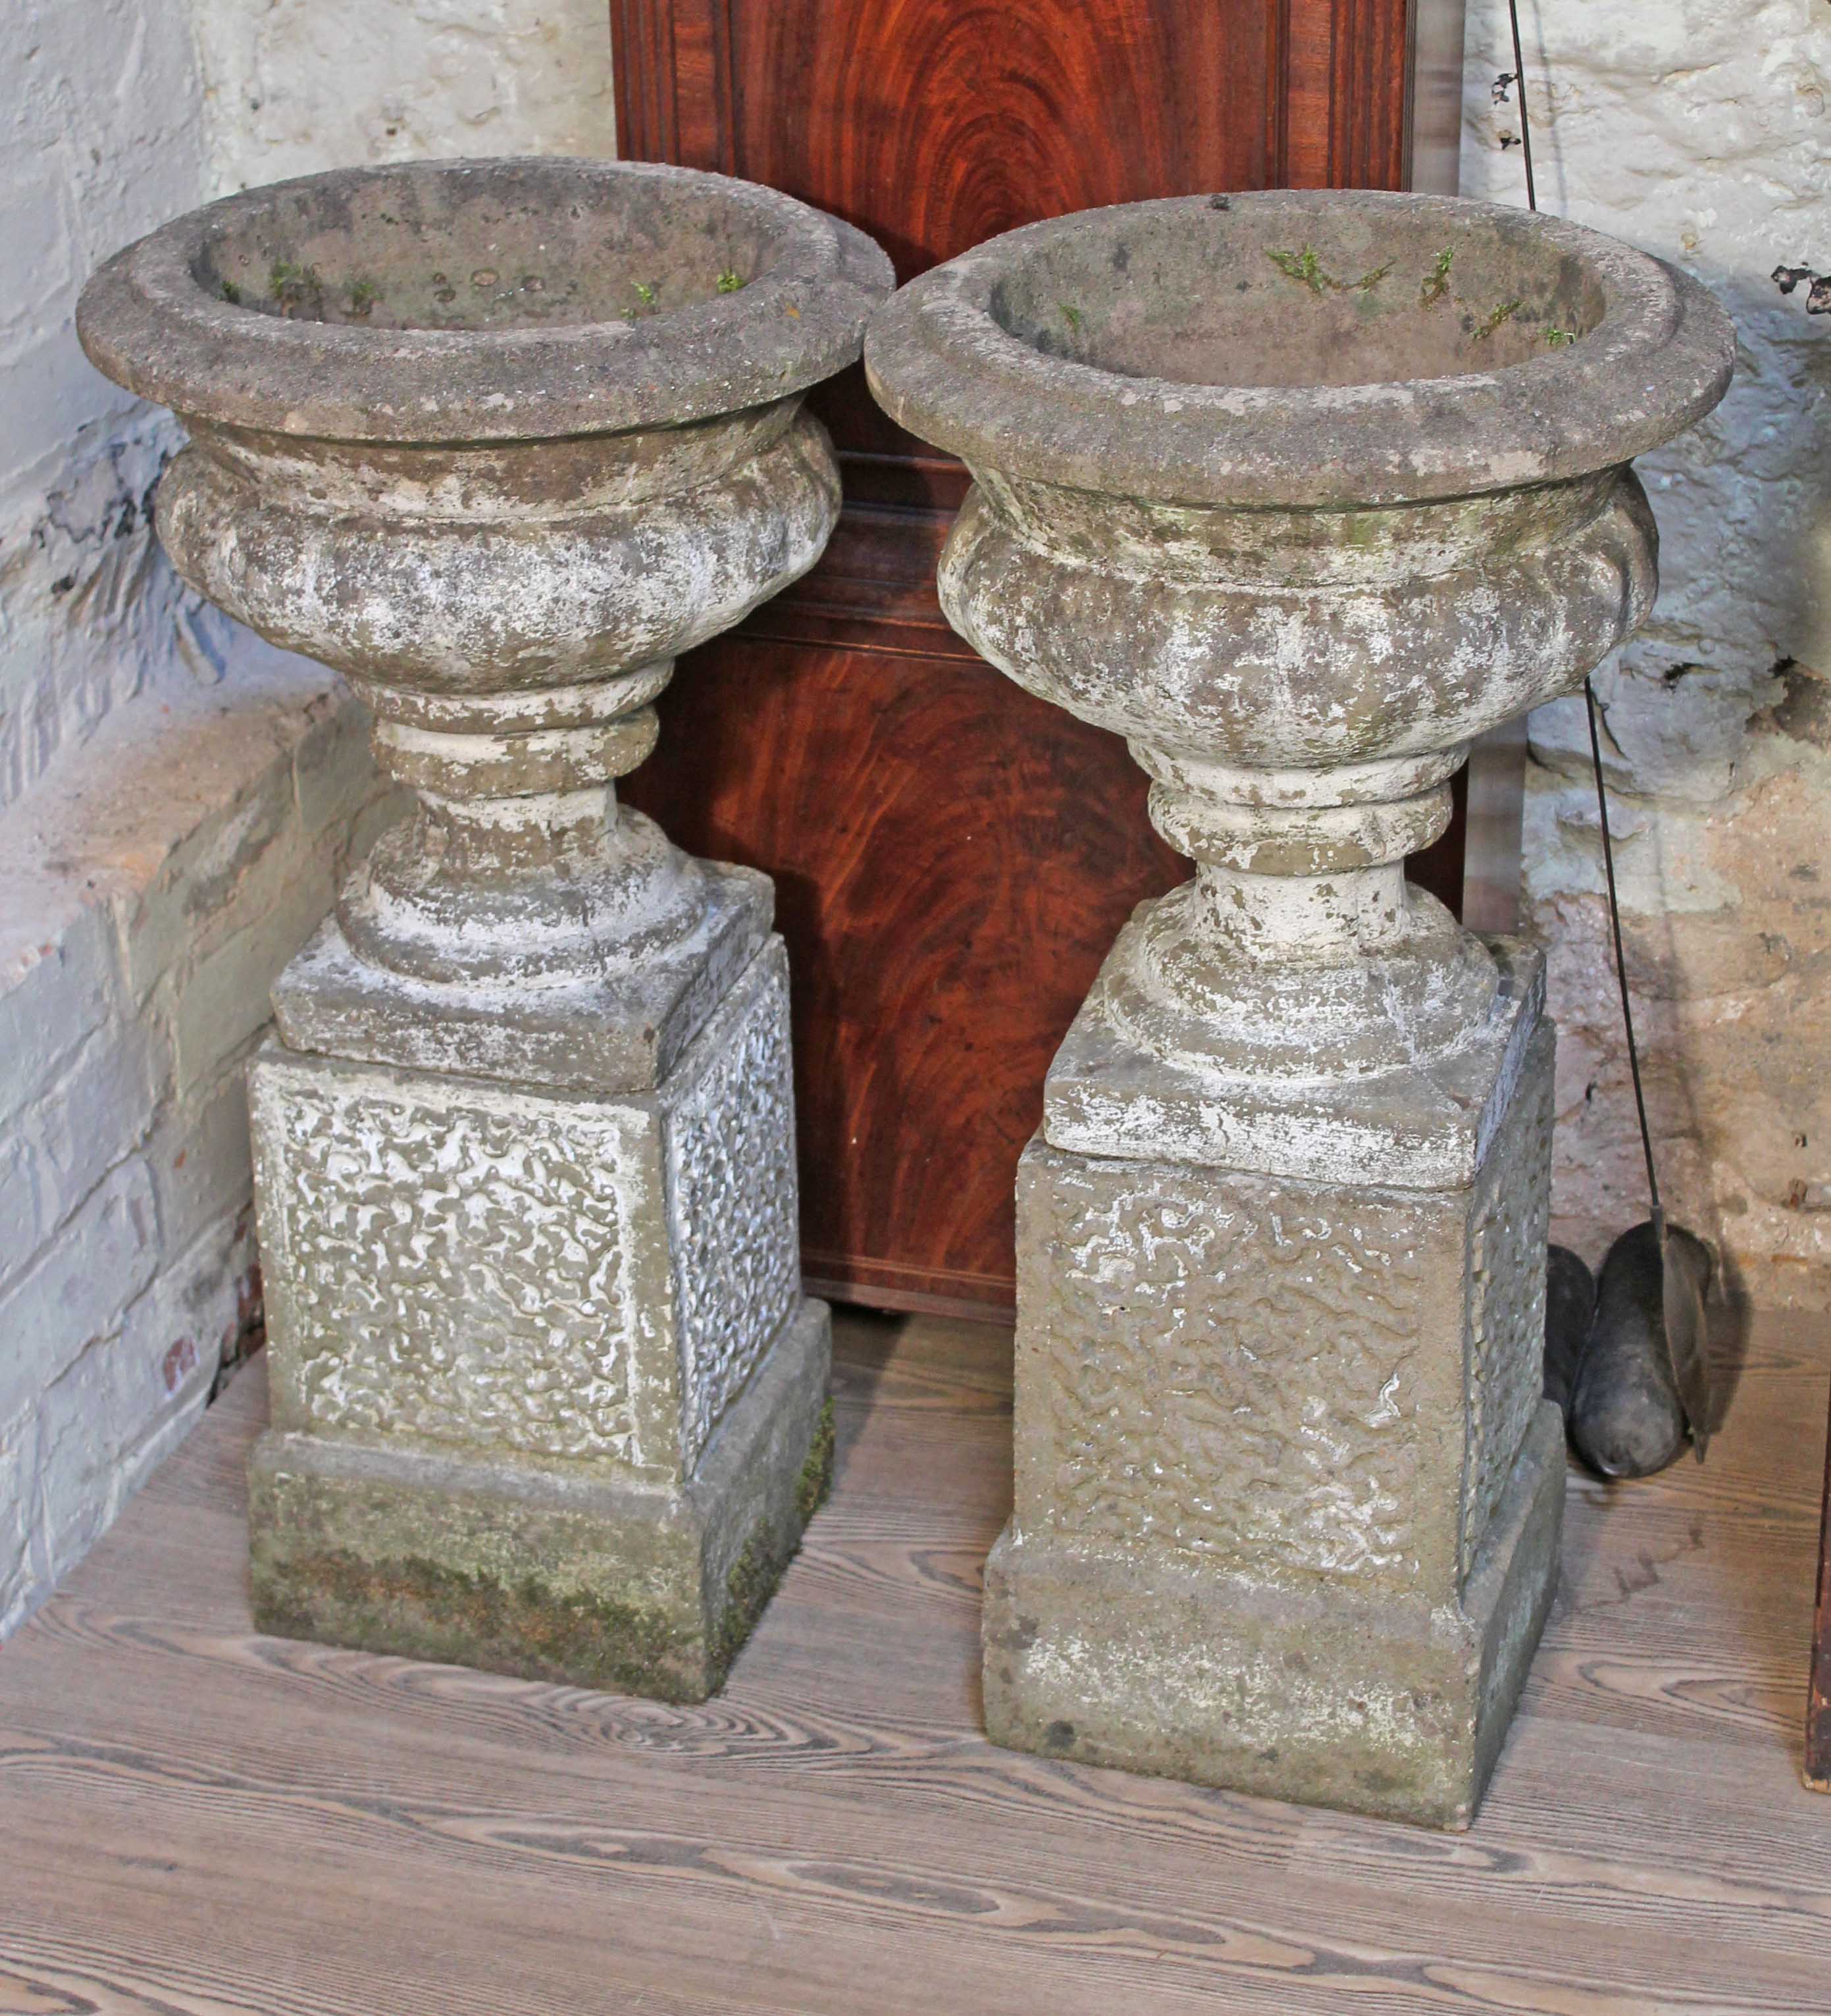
{"points": [[1343, 914]]}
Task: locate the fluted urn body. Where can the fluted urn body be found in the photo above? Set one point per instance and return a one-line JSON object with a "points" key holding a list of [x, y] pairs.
{"points": [[498, 440], [1299, 492]]}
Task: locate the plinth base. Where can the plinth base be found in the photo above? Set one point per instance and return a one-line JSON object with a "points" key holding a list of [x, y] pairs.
{"points": [[639, 1589], [1287, 1498], [547, 1394], [1324, 1695]]}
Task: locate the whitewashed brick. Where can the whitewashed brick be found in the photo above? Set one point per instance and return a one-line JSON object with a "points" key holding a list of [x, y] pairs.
{"points": [[333, 773], [210, 885], [220, 1004], [57, 987], [23, 1578], [77, 1290], [203, 1173], [95, 1113], [22, 1227]]}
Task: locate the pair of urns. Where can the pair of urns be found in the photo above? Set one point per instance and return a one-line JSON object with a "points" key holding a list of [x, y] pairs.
{"points": [[1298, 492]]}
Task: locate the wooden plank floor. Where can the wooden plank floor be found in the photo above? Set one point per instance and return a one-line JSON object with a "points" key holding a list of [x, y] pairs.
{"points": [[195, 1819]]}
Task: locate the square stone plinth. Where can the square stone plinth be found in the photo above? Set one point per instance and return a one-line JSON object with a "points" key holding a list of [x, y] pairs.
{"points": [[1288, 1501], [547, 1396]]}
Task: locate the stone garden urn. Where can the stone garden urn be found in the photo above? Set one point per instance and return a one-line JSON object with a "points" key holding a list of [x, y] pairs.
{"points": [[497, 439], [1300, 493]]}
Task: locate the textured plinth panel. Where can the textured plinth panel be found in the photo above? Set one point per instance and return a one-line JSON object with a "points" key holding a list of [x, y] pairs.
{"points": [[525, 1294], [1293, 1426]]}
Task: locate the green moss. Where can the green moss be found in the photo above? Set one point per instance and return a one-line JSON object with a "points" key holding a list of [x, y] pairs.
{"points": [[645, 292], [232, 294], [748, 1588], [294, 287], [1303, 266], [427, 1610], [1071, 316], [729, 281], [766, 1552], [363, 296], [1502, 314], [1306, 267], [1436, 284], [816, 1478], [1557, 338]]}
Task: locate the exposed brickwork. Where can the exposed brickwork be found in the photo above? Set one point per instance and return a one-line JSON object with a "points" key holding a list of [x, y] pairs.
{"points": [[157, 883]]}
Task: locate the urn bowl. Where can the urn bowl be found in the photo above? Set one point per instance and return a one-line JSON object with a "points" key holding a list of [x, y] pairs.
{"points": [[497, 439], [1299, 492]]}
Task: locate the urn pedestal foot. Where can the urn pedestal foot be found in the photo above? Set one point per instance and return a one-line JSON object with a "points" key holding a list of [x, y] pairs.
{"points": [[1329, 1698], [547, 1397], [1288, 1501]]}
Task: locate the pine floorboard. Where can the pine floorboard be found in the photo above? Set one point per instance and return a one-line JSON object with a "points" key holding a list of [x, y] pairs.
{"points": [[196, 1820]]}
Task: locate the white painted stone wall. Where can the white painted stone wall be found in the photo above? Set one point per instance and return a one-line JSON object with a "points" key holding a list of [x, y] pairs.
{"points": [[100, 138], [1698, 130], [175, 799], [297, 85]]}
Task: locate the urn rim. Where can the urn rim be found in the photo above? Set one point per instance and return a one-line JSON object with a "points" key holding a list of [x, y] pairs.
{"points": [[157, 319], [952, 360]]}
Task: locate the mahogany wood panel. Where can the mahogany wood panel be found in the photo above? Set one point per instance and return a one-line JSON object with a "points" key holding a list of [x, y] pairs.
{"points": [[953, 859], [1345, 115], [950, 871], [196, 1821]]}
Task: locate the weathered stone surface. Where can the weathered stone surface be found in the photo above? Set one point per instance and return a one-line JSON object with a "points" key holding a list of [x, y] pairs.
{"points": [[550, 1307], [571, 1574], [1256, 487], [1375, 1703], [1266, 1417], [1301, 493], [453, 1260], [1428, 1128], [621, 1029], [499, 440]]}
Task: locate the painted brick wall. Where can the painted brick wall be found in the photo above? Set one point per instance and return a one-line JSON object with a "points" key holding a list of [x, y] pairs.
{"points": [[1697, 129], [156, 885], [176, 799]]}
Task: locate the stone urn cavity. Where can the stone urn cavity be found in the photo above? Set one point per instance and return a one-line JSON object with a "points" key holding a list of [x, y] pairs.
{"points": [[497, 439], [1300, 493]]}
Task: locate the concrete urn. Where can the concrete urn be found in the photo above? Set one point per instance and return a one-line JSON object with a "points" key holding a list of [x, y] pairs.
{"points": [[497, 439], [1299, 492]]}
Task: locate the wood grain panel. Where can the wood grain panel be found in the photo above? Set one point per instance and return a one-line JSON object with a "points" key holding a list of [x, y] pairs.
{"points": [[196, 1820], [951, 868], [674, 82], [965, 120], [1345, 119]]}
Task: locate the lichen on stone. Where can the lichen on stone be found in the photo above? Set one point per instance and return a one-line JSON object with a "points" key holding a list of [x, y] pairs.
{"points": [[816, 1478]]}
